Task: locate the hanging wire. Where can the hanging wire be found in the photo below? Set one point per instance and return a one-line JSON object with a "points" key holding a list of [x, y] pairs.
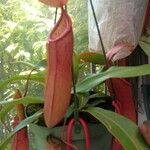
{"points": [[101, 41], [116, 105], [102, 45], [55, 19], [99, 34], [56, 13], [27, 82], [76, 102], [66, 7]]}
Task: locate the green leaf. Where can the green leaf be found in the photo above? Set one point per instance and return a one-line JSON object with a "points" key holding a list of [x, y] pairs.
{"points": [[120, 127], [98, 98], [70, 110], [42, 64], [21, 125], [76, 66], [26, 64], [92, 57], [145, 46], [6, 106], [83, 99], [38, 77], [113, 72], [40, 135]]}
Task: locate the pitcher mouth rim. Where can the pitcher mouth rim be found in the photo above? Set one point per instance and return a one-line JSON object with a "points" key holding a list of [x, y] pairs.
{"points": [[67, 29]]}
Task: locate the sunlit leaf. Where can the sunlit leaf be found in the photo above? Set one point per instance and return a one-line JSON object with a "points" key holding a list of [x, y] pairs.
{"points": [[6, 106], [113, 72], [26, 64], [41, 64], [96, 99], [38, 77], [145, 46], [92, 57], [83, 99], [120, 127]]}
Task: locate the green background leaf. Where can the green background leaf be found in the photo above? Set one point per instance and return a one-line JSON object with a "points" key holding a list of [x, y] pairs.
{"points": [[92, 57], [21, 125], [7, 106], [38, 77]]}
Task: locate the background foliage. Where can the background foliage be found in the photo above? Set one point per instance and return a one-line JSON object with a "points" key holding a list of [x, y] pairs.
{"points": [[23, 32]]}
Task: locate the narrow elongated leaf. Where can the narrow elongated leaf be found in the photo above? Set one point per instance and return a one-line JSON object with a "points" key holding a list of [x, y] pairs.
{"points": [[6, 106], [97, 98], [21, 125], [24, 100], [41, 64], [70, 110], [113, 72], [92, 57], [38, 77], [26, 64], [83, 99], [145, 46], [120, 127], [100, 96]]}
